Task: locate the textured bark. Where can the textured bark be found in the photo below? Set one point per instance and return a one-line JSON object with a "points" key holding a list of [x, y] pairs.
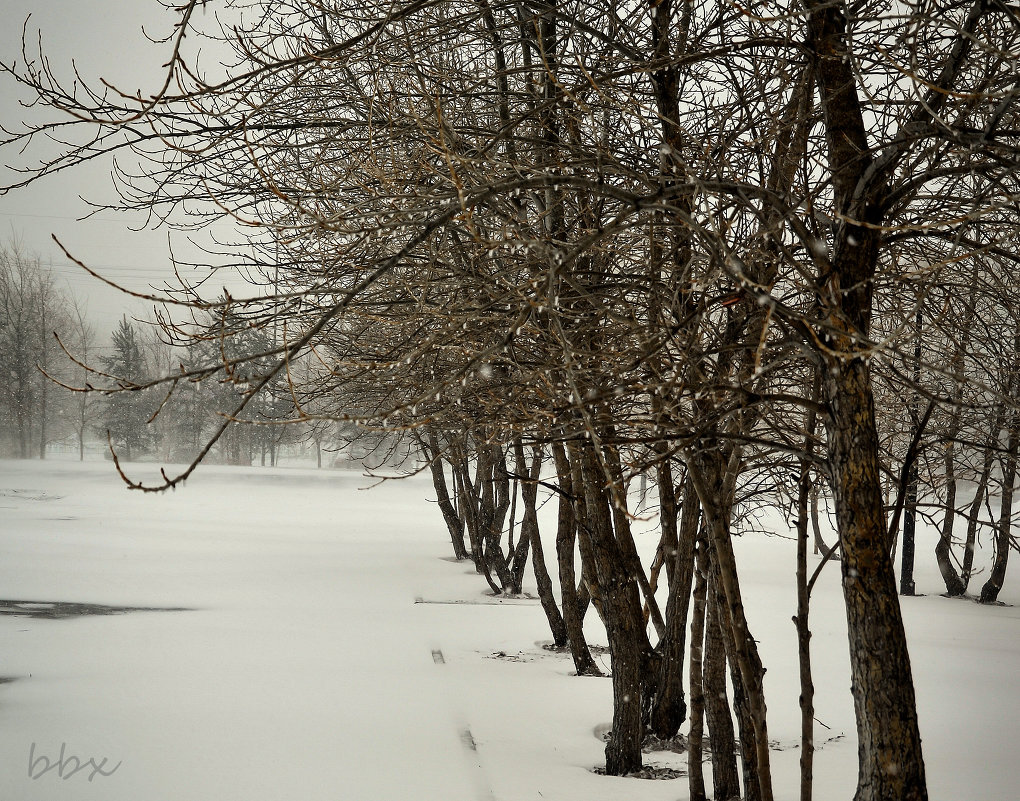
{"points": [[625, 539], [890, 763], [715, 484], [613, 585], [747, 734], [489, 498]]}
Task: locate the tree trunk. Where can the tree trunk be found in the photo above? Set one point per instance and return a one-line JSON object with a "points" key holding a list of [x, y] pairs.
{"points": [[800, 620], [990, 589], [943, 549], [530, 531], [566, 529], [910, 502], [891, 767], [715, 484], [668, 708], [454, 524], [695, 764], [725, 777], [615, 588], [980, 493]]}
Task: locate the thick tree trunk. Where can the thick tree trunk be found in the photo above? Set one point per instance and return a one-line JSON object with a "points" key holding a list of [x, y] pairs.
{"points": [[891, 767], [615, 588]]}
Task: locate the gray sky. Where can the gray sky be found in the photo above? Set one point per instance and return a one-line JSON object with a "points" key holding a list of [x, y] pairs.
{"points": [[102, 38]]}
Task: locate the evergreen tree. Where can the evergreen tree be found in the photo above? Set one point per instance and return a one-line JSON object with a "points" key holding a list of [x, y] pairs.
{"points": [[127, 410]]}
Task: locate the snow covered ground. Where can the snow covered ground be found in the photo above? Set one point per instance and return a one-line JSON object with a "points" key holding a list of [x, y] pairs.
{"points": [[305, 669]]}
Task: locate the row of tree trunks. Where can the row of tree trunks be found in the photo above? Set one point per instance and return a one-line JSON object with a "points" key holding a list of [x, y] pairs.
{"points": [[714, 474], [590, 516]]}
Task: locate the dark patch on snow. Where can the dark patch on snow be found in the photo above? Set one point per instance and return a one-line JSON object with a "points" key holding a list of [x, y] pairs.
{"points": [[676, 745], [487, 600], [655, 772], [29, 495], [520, 656], [60, 610]]}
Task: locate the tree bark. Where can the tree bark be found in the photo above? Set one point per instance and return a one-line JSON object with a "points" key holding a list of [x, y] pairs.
{"points": [[695, 765], [668, 708], [616, 589], [725, 777], [891, 766], [530, 529], [454, 524], [990, 589], [566, 532], [715, 485]]}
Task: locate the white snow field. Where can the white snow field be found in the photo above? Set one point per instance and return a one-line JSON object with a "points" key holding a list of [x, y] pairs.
{"points": [[304, 669]]}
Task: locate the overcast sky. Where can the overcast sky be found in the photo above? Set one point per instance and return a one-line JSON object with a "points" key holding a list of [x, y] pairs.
{"points": [[103, 38]]}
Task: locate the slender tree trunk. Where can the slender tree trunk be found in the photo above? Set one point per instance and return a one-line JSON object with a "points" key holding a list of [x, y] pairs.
{"points": [[454, 524], [722, 738], [625, 539], [990, 589], [530, 531], [668, 707], [980, 493], [566, 529], [943, 549], [800, 620], [910, 502], [715, 484], [695, 764]]}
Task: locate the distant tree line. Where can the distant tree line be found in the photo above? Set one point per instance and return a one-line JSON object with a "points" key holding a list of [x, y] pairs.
{"points": [[60, 387]]}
